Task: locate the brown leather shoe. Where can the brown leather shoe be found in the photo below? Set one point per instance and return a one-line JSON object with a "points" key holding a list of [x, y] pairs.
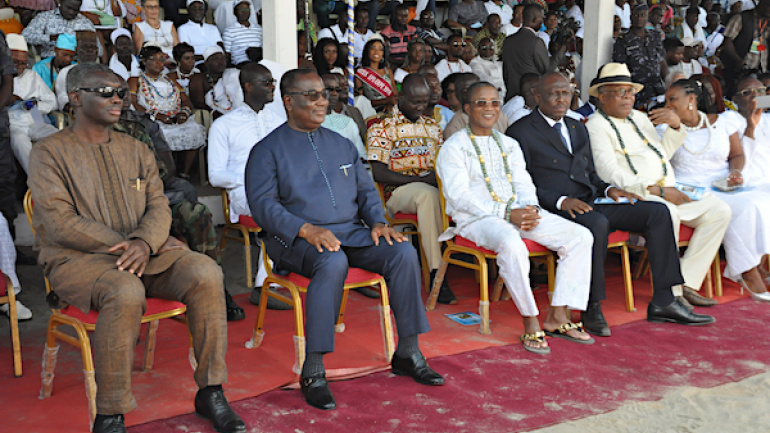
{"points": [[696, 299]]}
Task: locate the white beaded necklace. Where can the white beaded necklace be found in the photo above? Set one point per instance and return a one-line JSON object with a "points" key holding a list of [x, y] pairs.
{"points": [[704, 121]]}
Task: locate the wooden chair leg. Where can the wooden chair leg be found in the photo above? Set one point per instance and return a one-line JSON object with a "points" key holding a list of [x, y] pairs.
{"points": [[49, 361], [497, 290], [484, 297], [717, 276], [626, 260], [431, 304], [88, 370], [387, 324], [259, 333], [149, 345], [14, 321], [550, 265], [339, 327], [247, 263]]}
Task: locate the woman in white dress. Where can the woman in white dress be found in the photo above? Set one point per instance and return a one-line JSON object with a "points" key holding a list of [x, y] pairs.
{"points": [[152, 29], [184, 55], [166, 103], [713, 152]]}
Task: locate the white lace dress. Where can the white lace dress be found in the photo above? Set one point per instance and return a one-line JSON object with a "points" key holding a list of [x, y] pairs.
{"points": [[701, 160], [162, 97]]}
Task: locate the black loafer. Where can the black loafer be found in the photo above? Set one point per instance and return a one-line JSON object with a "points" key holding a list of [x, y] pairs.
{"points": [[593, 320], [234, 311], [417, 367], [109, 424], [272, 303], [317, 393], [210, 403], [677, 313]]}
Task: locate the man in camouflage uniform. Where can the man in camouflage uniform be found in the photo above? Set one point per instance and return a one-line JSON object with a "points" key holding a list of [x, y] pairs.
{"points": [[642, 50], [191, 221]]}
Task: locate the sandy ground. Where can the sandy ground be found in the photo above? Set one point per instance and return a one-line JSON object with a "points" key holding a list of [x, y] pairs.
{"points": [[734, 407]]}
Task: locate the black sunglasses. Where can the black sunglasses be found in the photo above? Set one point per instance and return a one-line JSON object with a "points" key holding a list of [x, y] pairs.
{"points": [[312, 95], [105, 92]]}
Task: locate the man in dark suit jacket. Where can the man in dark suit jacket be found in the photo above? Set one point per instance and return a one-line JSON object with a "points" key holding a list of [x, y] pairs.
{"points": [[524, 52], [559, 159], [320, 213]]}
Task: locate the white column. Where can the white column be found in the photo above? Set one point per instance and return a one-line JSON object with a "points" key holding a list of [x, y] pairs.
{"points": [[597, 45], [279, 32]]}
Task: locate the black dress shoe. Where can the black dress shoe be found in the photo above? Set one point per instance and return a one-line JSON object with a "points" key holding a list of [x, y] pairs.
{"points": [[210, 403], [234, 311], [417, 367], [272, 303], [594, 321], [109, 424], [317, 393], [677, 313]]}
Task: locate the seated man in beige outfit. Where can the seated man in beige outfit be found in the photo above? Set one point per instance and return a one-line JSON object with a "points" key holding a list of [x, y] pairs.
{"points": [[402, 149], [628, 154], [102, 226]]}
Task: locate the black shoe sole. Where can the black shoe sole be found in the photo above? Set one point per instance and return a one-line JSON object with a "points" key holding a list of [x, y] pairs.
{"points": [[664, 320], [200, 415]]}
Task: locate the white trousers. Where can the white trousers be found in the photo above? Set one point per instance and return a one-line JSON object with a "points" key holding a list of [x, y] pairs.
{"points": [[8, 254], [748, 236], [709, 217], [572, 242], [24, 131]]}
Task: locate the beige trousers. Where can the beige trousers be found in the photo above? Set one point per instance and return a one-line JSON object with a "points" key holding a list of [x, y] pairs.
{"points": [[710, 217], [120, 298], [422, 199]]}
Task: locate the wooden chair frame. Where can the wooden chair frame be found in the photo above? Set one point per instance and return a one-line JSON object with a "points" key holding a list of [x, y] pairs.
{"points": [[13, 316], [401, 219], [82, 341], [245, 237], [481, 267], [299, 324]]}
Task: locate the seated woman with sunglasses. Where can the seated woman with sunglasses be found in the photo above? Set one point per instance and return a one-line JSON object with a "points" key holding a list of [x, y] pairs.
{"points": [[712, 154], [374, 78], [167, 103]]}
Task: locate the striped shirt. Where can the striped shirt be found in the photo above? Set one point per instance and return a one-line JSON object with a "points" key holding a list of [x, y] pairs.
{"points": [[238, 38]]}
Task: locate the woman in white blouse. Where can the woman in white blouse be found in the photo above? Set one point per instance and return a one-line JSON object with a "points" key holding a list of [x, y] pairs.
{"points": [[152, 29]]}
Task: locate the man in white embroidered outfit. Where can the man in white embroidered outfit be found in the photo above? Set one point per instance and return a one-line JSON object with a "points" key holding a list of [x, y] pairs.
{"points": [[231, 138], [27, 85], [629, 155], [491, 198]]}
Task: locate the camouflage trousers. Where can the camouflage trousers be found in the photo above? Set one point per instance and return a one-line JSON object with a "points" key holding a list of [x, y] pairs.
{"points": [[193, 223]]}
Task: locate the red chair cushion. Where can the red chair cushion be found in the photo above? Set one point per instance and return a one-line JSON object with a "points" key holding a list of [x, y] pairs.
{"points": [[617, 236], [532, 246], [406, 216], [355, 275], [154, 306], [3, 285], [685, 233], [247, 221]]}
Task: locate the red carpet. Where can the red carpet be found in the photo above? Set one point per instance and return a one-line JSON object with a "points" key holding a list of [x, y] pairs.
{"points": [[168, 389], [504, 389]]}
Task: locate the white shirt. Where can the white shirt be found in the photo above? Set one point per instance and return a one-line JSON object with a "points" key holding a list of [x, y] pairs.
{"points": [[625, 15], [120, 69], [504, 11], [346, 127], [713, 42], [757, 151], [228, 92], [224, 16], [238, 38], [509, 29], [29, 85], [62, 97], [200, 36], [575, 13], [467, 197], [231, 138], [444, 68], [490, 71], [333, 32], [360, 41]]}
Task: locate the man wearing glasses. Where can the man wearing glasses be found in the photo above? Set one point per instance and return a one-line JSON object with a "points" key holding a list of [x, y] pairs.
{"points": [[231, 138], [402, 151], [494, 204], [453, 62], [558, 155], [628, 154], [321, 214], [102, 226]]}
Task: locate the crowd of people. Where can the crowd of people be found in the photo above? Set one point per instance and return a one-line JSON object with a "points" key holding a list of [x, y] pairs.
{"points": [[482, 108]]}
